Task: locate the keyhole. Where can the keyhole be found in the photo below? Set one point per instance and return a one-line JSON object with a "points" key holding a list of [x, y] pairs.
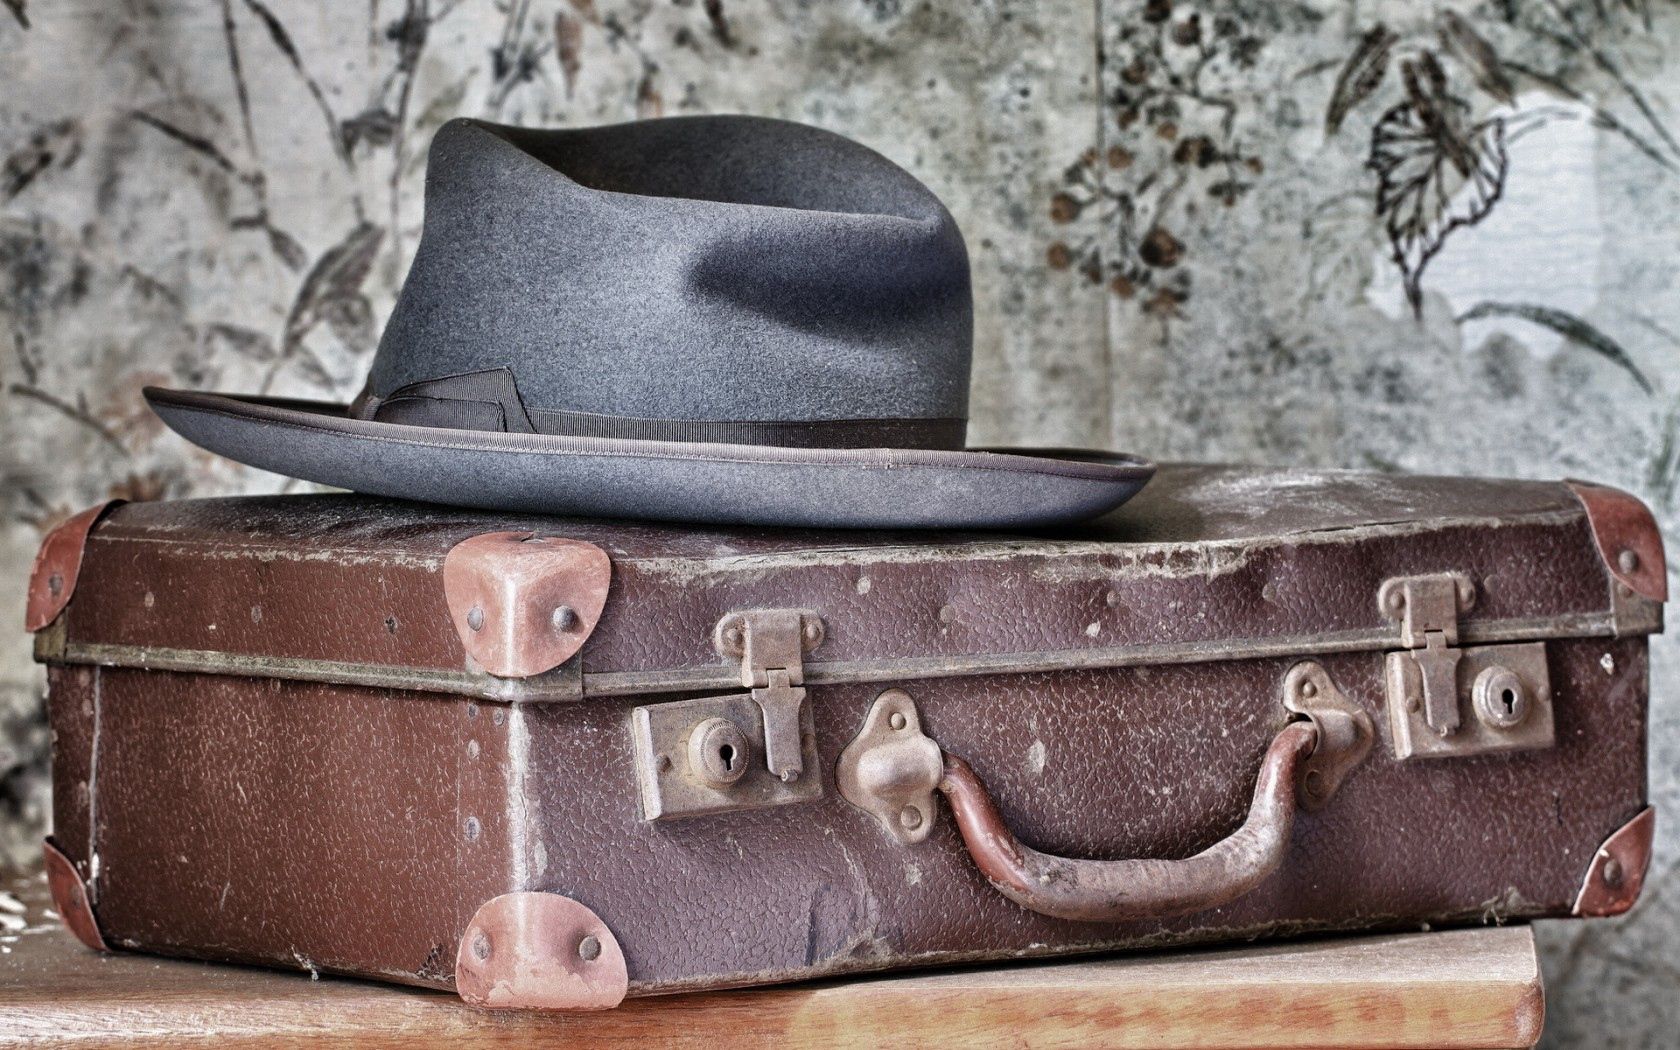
{"points": [[718, 752], [1501, 700]]}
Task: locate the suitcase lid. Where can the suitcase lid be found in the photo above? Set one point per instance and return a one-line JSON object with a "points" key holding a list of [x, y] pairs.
{"points": [[1208, 563]]}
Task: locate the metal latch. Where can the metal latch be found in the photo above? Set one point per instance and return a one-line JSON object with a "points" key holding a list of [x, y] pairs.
{"points": [[1507, 687], [1428, 608], [715, 754], [771, 645]]}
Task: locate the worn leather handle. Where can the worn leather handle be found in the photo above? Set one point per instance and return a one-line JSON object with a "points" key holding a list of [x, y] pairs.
{"points": [[1113, 891]]}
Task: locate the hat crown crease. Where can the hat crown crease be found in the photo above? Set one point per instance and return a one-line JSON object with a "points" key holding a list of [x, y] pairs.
{"points": [[799, 277]]}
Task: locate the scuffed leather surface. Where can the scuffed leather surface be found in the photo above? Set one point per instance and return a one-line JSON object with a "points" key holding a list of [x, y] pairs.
{"points": [[286, 823], [310, 825], [1145, 762], [1204, 555], [322, 827]]}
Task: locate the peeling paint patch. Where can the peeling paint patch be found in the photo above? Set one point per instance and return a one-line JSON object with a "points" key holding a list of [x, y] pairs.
{"points": [[1036, 756]]}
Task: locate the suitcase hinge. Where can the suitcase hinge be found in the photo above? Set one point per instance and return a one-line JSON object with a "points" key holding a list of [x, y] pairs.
{"points": [[771, 645], [1509, 690]]}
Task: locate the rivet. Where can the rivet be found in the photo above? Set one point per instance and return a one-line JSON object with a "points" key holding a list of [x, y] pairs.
{"points": [[910, 817], [1612, 872], [475, 618], [790, 775], [733, 638], [55, 584], [499, 716], [472, 749], [1627, 560], [813, 632], [897, 721], [1309, 689], [1396, 600], [472, 829], [472, 710], [481, 946], [589, 949], [564, 618]]}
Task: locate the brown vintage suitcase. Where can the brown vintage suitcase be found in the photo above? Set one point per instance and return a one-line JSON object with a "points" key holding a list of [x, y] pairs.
{"points": [[552, 762]]}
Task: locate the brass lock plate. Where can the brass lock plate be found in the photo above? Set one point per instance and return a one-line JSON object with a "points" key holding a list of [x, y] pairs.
{"points": [[1504, 703], [707, 756]]}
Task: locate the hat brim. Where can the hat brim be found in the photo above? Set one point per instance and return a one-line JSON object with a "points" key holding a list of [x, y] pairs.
{"points": [[659, 480]]}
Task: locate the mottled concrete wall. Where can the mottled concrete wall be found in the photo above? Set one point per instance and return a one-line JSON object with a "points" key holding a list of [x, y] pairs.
{"points": [[1386, 235]]}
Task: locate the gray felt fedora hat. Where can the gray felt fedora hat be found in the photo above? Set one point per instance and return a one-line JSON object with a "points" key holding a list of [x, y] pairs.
{"points": [[708, 319]]}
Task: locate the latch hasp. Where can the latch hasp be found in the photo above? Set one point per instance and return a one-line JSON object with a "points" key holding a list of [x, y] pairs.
{"points": [[1445, 700], [771, 645]]}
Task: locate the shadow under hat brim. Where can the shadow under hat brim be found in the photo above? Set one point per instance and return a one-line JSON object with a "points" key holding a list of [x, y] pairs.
{"points": [[659, 480]]}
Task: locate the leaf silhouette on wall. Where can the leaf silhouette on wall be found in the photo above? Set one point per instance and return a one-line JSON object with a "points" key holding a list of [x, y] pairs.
{"points": [[1477, 55], [1436, 171], [331, 293], [1360, 76], [221, 337], [56, 145], [1567, 325]]}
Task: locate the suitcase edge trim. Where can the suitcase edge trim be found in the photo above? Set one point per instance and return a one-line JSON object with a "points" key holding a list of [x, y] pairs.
{"points": [[569, 682]]}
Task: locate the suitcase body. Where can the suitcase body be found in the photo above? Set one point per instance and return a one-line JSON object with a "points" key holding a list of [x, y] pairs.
{"points": [[552, 762]]}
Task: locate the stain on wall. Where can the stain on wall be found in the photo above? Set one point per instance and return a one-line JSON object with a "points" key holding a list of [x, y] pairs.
{"points": [[1433, 238]]}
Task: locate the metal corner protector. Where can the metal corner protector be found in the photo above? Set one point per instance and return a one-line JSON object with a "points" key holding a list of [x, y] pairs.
{"points": [[1627, 537], [70, 897], [1617, 872], [524, 604], [539, 951], [52, 580]]}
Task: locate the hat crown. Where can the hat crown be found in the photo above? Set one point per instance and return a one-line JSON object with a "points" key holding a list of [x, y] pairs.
{"points": [[688, 272]]}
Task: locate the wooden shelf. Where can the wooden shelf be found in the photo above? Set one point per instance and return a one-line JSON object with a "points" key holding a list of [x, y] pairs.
{"points": [[1459, 988]]}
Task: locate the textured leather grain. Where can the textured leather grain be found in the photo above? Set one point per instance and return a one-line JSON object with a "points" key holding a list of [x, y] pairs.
{"points": [[358, 829]]}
